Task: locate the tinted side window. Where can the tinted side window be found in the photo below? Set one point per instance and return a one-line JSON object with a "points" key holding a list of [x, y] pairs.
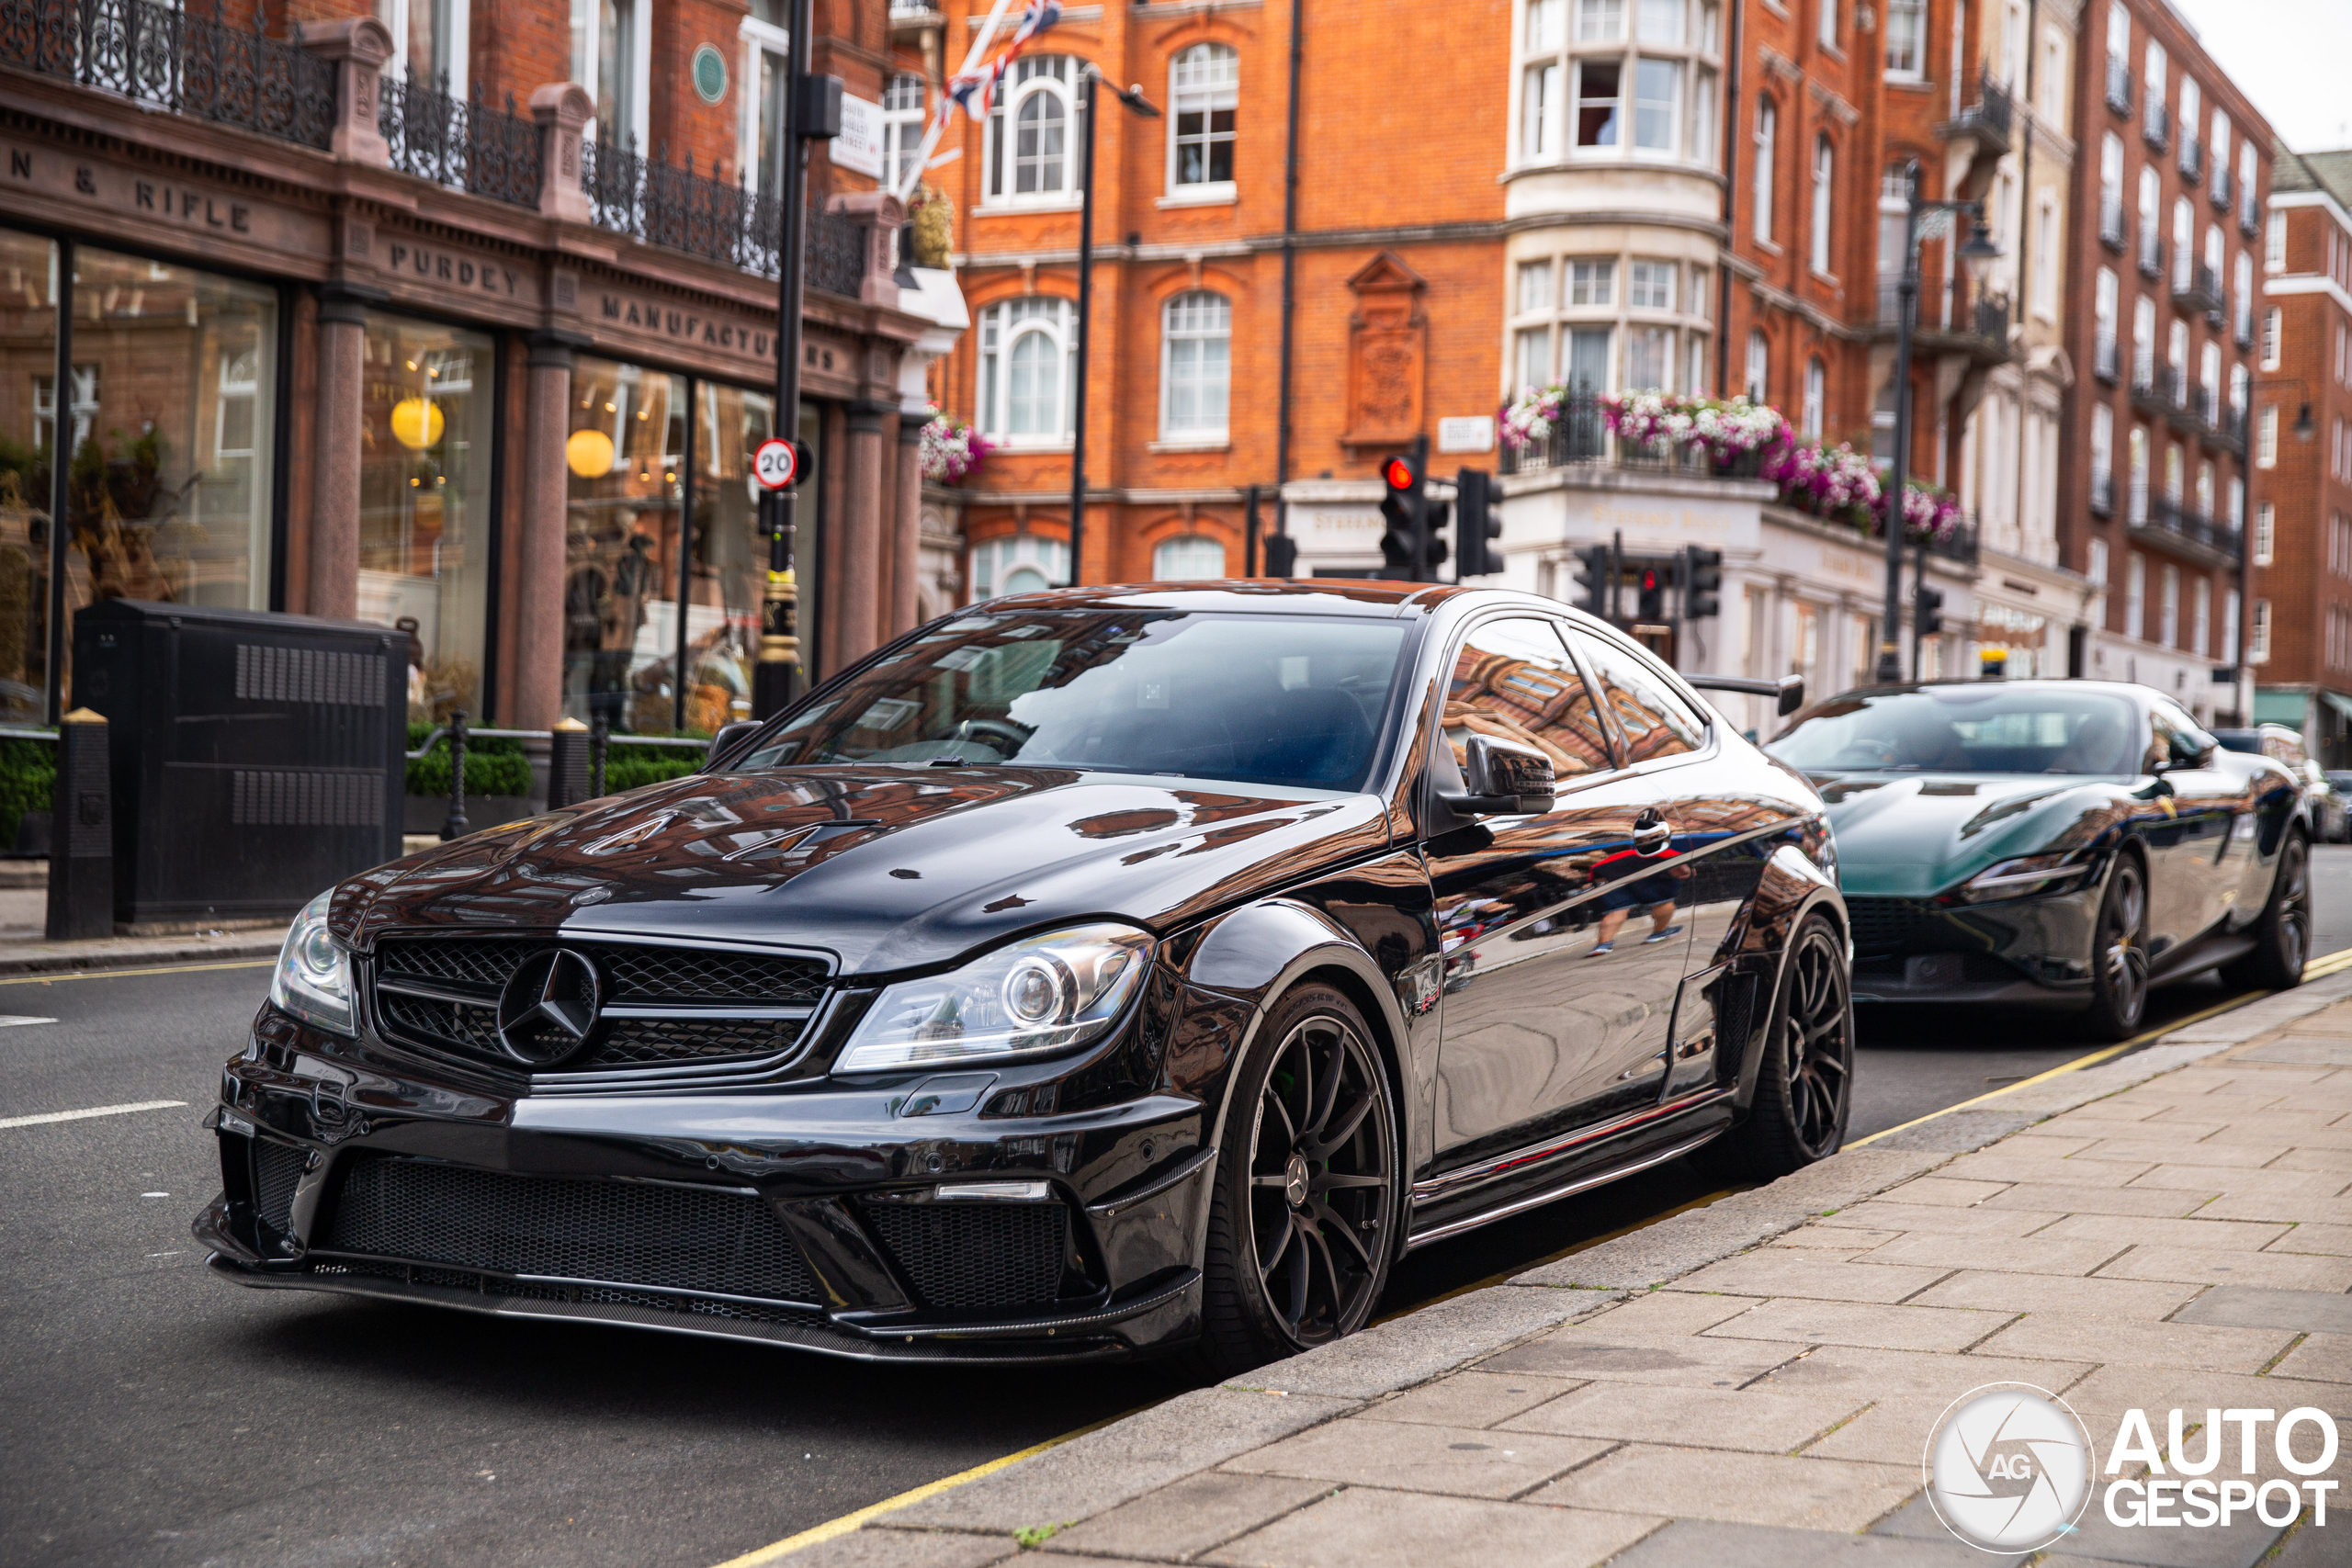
{"points": [[1513, 680], [1655, 721]]}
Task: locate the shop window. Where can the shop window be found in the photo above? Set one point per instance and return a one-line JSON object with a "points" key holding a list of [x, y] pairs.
{"points": [[1029, 133], [1023, 563], [1204, 94], [429, 406], [1190, 559], [1195, 349]]}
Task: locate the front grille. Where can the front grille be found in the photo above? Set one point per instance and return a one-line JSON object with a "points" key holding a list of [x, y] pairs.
{"points": [[618, 1232], [967, 1257], [1893, 925], [471, 970], [277, 1170]]}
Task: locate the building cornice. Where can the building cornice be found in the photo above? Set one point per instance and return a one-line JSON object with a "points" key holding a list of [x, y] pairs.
{"points": [[2307, 283]]}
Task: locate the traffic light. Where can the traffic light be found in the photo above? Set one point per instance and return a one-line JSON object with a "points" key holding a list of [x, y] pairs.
{"points": [[1281, 555], [1651, 603], [1411, 543], [1592, 580], [1477, 523], [1926, 609], [1701, 582]]}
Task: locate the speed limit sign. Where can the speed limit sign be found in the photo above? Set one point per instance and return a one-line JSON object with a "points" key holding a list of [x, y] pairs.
{"points": [[775, 463]]}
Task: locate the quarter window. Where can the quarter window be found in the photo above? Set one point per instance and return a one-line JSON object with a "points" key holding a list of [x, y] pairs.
{"points": [[1655, 721]]}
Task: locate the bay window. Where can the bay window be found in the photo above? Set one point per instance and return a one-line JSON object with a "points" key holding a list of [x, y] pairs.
{"points": [[1592, 85]]}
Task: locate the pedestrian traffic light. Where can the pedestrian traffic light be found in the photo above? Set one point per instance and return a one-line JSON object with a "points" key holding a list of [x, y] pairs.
{"points": [[1281, 555], [1411, 544], [1702, 580], [1592, 580], [1926, 609], [1477, 523], [1650, 605]]}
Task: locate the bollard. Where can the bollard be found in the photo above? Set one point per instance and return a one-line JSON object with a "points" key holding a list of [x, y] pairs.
{"points": [[598, 742], [567, 764], [81, 834], [453, 826]]}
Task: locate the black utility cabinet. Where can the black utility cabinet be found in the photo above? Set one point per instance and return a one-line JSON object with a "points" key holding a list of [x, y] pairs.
{"points": [[256, 758]]}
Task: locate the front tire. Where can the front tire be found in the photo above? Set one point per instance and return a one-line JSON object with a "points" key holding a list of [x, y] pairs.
{"points": [[2120, 954], [2282, 937], [1303, 1221], [1805, 1085]]}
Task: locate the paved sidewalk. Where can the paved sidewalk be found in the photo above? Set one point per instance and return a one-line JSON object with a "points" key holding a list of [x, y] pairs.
{"points": [[1750, 1386], [27, 954]]}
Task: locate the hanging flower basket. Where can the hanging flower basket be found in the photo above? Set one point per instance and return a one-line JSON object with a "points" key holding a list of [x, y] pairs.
{"points": [[952, 451]]}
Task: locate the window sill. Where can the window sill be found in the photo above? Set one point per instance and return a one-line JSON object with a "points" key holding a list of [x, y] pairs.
{"points": [[1820, 277], [1013, 448], [1198, 443], [1911, 84], [1766, 245], [1202, 196], [1012, 209]]}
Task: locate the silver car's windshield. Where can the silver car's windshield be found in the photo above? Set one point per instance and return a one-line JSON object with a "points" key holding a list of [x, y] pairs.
{"points": [[1966, 729], [1294, 700]]}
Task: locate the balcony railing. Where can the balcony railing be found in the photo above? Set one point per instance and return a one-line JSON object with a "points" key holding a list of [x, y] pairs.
{"points": [[2110, 221], [2228, 430], [650, 199], [2104, 357], [2103, 491], [2220, 189], [2207, 404], [2118, 86], [2192, 158], [456, 141], [2244, 333], [2175, 523], [2152, 248], [2199, 289], [1986, 317], [164, 57], [2156, 125], [1580, 435], [2249, 214], [1987, 119], [2153, 392]]}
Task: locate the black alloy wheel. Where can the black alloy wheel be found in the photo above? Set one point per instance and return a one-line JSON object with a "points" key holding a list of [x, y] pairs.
{"points": [[1805, 1085], [2119, 952], [2282, 937], [1303, 1224]]}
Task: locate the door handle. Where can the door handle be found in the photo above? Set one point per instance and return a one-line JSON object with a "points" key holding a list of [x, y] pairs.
{"points": [[1652, 834]]}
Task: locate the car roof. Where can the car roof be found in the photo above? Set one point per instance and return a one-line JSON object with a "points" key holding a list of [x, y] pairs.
{"points": [[1369, 597]]}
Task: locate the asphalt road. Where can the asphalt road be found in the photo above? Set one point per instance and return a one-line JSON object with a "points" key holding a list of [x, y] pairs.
{"points": [[150, 1415]]}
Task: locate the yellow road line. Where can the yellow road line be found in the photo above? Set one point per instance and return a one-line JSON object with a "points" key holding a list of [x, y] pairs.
{"points": [[848, 1522], [112, 974]]}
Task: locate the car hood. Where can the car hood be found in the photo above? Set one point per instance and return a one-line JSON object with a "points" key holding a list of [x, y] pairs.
{"points": [[886, 868], [1913, 835]]}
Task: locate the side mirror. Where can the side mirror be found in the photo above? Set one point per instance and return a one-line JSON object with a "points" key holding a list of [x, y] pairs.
{"points": [[728, 735], [1792, 695], [1504, 779]]}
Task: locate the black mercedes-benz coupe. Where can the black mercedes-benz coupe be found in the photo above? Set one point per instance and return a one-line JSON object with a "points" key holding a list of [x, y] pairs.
{"points": [[1088, 972]]}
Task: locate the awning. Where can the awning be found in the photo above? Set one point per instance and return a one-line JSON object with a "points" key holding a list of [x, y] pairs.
{"points": [[2279, 707]]}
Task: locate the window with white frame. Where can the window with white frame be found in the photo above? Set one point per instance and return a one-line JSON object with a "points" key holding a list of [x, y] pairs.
{"points": [[1195, 366], [2135, 596], [2209, 378], [608, 60], [1826, 24], [2242, 296], [2272, 330], [1023, 563], [2152, 240], [2136, 460], [1571, 321], [2177, 360], [2240, 383], [2110, 184], [2168, 607], [1758, 379], [1204, 97], [1592, 86], [1027, 349], [1031, 130], [2184, 241], [2200, 637], [902, 121], [2230, 623], [2218, 147], [2103, 456], [1649, 285], [2052, 81], [1532, 345], [2045, 256], [1907, 39], [2192, 106], [1817, 379], [1824, 184], [2245, 170], [2118, 35], [2274, 243], [1768, 125], [2153, 78], [2266, 438], [2259, 651], [2143, 341], [429, 42], [1187, 558]]}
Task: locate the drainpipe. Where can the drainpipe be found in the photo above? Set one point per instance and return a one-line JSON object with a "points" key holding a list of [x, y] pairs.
{"points": [[1290, 269], [2024, 254]]}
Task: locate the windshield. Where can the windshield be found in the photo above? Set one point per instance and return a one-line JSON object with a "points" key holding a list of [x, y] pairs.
{"points": [[1966, 729], [1292, 700]]}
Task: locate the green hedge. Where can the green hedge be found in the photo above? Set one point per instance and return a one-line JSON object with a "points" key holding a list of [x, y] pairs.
{"points": [[492, 767], [634, 767], [27, 783]]}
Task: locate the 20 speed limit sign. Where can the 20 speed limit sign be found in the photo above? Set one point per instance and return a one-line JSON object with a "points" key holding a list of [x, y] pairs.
{"points": [[775, 463]]}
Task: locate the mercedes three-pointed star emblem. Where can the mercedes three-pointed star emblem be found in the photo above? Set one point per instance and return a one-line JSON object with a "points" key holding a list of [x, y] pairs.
{"points": [[548, 1007]]}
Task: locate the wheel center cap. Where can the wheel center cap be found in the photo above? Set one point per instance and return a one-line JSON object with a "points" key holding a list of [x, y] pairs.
{"points": [[1295, 1181]]}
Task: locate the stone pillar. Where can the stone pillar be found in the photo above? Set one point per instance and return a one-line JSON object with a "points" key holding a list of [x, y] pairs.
{"points": [[906, 529], [860, 609], [333, 576], [561, 109], [538, 555], [878, 215], [358, 46]]}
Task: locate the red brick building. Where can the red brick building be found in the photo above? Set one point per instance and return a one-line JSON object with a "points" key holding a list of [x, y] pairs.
{"points": [[2303, 455]]}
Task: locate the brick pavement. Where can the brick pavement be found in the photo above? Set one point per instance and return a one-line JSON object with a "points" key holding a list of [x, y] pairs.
{"points": [[1753, 1383]]}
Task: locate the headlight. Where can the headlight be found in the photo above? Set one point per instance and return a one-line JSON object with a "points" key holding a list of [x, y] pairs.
{"points": [[314, 977], [2028, 876], [1045, 993]]}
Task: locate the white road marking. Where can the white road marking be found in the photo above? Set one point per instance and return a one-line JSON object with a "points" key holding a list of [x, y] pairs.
{"points": [[10, 1019], [48, 1116], [154, 1194]]}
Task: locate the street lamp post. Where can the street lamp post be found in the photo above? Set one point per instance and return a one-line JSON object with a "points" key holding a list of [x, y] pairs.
{"points": [[1979, 246], [1133, 97]]}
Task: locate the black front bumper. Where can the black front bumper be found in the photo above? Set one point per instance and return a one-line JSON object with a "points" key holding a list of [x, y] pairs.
{"points": [[819, 1216], [2029, 953]]}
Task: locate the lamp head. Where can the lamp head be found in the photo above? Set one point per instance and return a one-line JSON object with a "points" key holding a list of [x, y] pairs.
{"points": [[1979, 246]]}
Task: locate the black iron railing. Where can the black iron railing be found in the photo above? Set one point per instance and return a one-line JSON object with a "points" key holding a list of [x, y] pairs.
{"points": [[2249, 213], [2192, 157], [1992, 112], [2167, 515], [1580, 435], [2220, 189], [438, 136], [651, 200], [2118, 86], [2103, 491], [2152, 248], [2104, 357], [2111, 219], [168, 59], [2156, 125]]}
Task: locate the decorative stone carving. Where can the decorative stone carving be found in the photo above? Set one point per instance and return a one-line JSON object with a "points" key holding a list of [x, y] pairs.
{"points": [[358, 46], [561, 109], [1387, 354]]}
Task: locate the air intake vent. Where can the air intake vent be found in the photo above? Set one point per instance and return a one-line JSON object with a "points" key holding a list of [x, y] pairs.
{"points": [[976, 1256], [322, 675]]}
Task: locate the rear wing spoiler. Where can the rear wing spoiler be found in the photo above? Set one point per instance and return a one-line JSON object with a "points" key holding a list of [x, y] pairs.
{"points": [[1788, 691]]}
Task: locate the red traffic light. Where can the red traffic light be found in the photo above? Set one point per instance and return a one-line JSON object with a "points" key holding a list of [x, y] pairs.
{"points": [[1398, 472]]}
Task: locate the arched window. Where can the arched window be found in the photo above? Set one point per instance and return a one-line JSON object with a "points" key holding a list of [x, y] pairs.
{"points": [[1030, 132], [1020, 564], [1187, 558], [1825, 172], [1026, 371], [1204, 94], [1767, 129], [1195, 366], [1817, 386]]}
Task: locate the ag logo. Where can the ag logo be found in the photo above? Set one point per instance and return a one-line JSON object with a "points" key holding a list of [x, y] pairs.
{"points": [[2008, 1468]]}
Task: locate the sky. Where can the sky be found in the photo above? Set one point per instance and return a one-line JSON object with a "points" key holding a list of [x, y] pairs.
{"points": [[2290, 56]]}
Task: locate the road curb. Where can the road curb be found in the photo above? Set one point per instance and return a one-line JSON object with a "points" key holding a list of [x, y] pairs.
{"points": [[1196, 1431], [129, 953]]}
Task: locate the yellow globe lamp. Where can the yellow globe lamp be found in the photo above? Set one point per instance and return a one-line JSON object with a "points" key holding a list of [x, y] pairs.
{"points": [[416, 423], [589, 454]]}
